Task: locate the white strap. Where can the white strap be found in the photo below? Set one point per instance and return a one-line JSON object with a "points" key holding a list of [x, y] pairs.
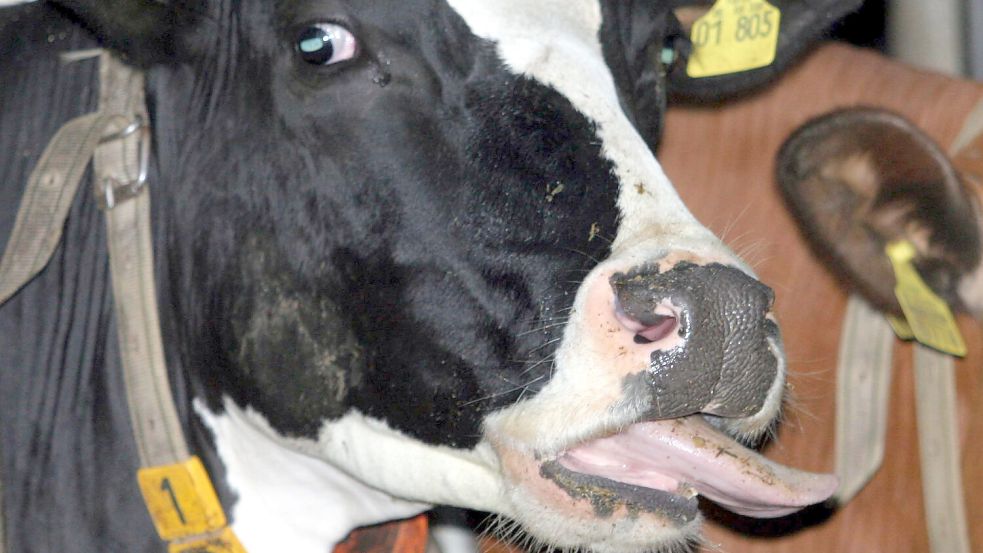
{"points": [[863, 388], [942, 490], [972, 128], [44, 206]]}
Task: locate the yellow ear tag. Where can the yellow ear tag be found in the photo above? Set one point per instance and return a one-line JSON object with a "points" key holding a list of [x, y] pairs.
{"points": [[928, 315], [900, 327], [734, 36]]}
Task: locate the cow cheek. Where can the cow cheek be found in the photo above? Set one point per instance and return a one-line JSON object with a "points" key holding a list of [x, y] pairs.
{"points": [[296, 358]]}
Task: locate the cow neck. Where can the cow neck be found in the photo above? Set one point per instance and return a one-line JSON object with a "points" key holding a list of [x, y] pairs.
{"points": [[116, 140]]}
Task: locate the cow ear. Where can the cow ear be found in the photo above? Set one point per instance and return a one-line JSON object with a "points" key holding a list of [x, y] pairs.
{"points": [[803, 22], [861, 178], [143, 32]]}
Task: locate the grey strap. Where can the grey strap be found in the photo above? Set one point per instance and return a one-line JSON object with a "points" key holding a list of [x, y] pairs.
{"points": [[938, 443], [46, 201], [156, 426], [44, 207], [863, 388]]}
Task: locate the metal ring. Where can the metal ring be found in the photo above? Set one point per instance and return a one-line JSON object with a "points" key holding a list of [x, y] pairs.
{"points": [[114, 191], [108, 200], [144, 153], [131, 128]]}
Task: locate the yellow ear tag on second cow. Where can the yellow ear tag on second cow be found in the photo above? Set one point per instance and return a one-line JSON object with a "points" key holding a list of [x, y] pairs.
{"points": [[928, 315], [901, 327], [734, 36]]}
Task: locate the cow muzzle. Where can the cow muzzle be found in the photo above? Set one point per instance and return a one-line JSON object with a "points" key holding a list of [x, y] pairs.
{"points": [[665, 366], [708, 336]]}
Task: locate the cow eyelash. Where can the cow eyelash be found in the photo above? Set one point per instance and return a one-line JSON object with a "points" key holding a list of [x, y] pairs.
{"points": [[325, 44]]}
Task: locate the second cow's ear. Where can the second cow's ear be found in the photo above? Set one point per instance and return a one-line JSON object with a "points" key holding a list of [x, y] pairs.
{"points": [[859, 179], [803, 22]]}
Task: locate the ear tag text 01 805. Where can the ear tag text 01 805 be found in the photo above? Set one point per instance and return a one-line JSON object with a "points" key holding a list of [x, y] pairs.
{"points": [[928, 315], [734, 36]]}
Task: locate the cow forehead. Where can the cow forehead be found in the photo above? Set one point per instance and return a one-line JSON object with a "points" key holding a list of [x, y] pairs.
{"points": [[530, 34], [558, 44], [547, 21]]}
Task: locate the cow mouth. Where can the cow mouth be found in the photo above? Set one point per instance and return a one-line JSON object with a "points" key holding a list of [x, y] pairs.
{"points": [[660, 467]]}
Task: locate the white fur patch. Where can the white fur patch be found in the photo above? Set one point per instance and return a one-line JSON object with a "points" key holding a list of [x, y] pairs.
{"points": [[288, 500], [370, 450], [556, 42]]}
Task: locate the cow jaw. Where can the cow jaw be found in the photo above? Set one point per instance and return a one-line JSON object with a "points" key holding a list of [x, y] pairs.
{"points": [[635, 490]]}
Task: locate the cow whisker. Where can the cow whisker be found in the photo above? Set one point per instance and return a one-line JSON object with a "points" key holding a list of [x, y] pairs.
{"points": [[550, 357], [585, 254], [733, 222], [545, 344], [502, 393], [545, 327]]}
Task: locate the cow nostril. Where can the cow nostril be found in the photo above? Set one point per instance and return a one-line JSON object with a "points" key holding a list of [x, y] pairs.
{"points": [[662, 326], [657, 324]]}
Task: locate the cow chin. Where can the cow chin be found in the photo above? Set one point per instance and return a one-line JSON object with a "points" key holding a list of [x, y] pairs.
{"points": [[634, 488], [564, 509], [560, 501]]}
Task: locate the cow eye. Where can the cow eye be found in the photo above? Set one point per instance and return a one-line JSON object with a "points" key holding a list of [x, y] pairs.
{"points": [[674, 48], [325, 44]]}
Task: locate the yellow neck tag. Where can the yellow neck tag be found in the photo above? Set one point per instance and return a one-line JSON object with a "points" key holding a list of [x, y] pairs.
{"points": [[734, 36], [185, 509], [223, 541], [928, 315]]}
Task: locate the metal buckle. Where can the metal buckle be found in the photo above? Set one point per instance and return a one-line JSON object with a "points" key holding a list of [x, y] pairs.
{"points": [[112, 191]]}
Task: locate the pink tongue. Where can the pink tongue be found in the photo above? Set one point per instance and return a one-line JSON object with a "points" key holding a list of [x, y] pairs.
{"points": [[674, 454]]}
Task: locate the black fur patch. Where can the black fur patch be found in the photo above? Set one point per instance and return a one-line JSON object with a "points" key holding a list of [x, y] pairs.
{"points": [[725, 359]]}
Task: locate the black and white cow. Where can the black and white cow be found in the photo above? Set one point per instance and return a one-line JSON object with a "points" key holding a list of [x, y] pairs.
{"points": [[410, 252]]}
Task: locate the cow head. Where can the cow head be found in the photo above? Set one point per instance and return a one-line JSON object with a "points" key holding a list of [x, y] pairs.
{"points": [[858, 179], [427, 242]]}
